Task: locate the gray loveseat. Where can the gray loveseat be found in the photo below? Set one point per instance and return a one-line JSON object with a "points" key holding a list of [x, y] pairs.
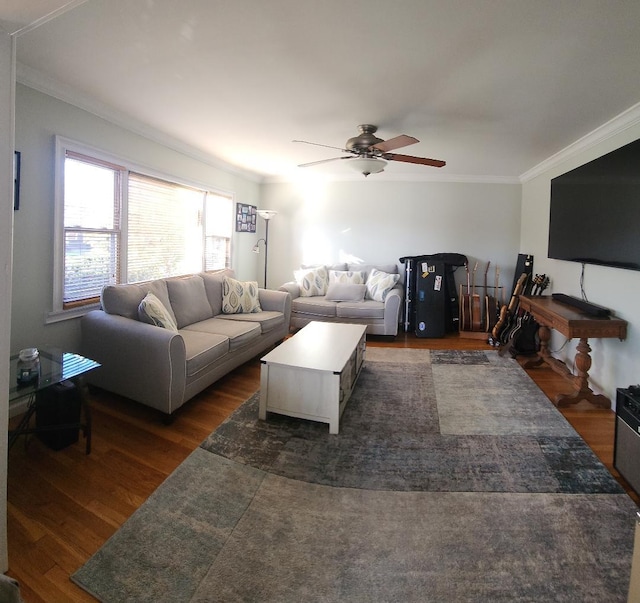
{"points": [[165, 367], [350, 296]]}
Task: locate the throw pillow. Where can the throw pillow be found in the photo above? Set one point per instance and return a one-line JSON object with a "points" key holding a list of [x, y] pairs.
{"points": [[380, 283], [239, 297], [312, 282], [346, 292], [153, 311], [347, 277]]}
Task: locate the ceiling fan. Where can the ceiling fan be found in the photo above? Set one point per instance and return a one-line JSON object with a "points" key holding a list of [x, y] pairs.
{"points": [[369, 154]]}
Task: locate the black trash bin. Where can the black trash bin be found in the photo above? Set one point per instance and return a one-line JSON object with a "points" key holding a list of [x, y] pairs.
{"points": [[57, 406]]}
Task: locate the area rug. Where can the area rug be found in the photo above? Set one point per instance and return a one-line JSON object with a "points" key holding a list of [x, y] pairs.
{"points": [[453, 478]]}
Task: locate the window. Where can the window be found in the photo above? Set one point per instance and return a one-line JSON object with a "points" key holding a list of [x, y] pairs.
{"points": [[92, 194], [115, 224]]}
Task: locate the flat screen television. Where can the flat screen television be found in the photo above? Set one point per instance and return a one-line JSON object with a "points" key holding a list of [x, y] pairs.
{"points": [[595, 211]]}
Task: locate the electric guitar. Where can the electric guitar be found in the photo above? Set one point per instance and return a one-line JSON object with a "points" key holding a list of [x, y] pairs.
{"points": [[507, 314]]}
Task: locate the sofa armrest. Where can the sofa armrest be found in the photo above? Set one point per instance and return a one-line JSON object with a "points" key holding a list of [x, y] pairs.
{"points": [[276, 301], [392, 305], [291, 288], [140, 361]]}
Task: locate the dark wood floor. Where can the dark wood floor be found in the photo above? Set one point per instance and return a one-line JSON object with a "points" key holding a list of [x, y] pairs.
{"points": [[63, 505]]}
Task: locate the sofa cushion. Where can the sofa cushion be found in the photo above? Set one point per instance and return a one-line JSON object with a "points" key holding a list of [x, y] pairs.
{"points": [[366, 268], [122, 300], [315, 306], [380, 283], [344, 292], [239, 297], [312, 282], [267, 320], [202, 349], [125, 299], [213, 286], [188, 300], [151, 310], [368, 309], [353, 277], [238, 332]]}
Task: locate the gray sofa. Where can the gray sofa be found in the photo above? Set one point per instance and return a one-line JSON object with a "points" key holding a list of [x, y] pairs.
{"points": [[161, 367], [322, 302]]}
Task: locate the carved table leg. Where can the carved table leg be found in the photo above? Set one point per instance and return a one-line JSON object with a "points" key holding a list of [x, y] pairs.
{"points": [[544, 335], [581, 381]]}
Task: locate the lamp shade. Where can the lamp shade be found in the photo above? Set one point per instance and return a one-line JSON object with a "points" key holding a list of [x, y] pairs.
{"points": [[267, 214], [367, 165]]}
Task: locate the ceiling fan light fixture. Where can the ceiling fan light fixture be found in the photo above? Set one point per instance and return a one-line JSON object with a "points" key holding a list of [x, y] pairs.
{"points": [[367, 165]]}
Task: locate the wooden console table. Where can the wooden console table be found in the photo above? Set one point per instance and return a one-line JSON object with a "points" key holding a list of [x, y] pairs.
{"points": [[572, 323]]}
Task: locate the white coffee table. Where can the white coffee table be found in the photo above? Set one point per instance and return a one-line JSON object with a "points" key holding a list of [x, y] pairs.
{"points": [[312, 374]]}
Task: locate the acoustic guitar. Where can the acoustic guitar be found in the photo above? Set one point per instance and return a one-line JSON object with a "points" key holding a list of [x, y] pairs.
{"points": [[491, 301], [465, 303], [476, 305]]}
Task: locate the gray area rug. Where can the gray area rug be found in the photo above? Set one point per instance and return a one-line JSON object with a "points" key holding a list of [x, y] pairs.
{"points": [[453, 478]]}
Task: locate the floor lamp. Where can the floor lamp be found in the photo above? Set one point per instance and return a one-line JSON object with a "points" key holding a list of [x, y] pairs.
{"points": [[266, 215]]}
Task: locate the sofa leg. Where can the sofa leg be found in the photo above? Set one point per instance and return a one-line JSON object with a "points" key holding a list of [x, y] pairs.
{"points": [[168, 418]]}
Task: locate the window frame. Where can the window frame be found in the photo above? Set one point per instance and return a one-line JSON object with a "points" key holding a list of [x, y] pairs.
{"points": [[62, 146]]}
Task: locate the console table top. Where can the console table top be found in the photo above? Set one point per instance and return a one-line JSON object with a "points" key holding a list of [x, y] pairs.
{"points": [[571, 322]]}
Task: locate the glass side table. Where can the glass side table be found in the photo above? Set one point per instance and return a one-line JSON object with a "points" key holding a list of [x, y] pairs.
{"points": [[56, 366]]}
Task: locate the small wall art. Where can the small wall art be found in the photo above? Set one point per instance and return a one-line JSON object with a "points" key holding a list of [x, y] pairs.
{"points": [[246, 217]]}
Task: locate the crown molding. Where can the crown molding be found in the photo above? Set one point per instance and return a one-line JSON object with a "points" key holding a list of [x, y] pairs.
{"points": [[35, 79], [625, 120]]}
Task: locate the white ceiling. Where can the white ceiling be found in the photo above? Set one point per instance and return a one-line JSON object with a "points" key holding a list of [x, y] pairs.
{"points": [[494, 87]]}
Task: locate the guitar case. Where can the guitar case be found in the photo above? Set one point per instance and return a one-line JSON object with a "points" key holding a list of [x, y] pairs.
{"points": [[430, 300], [435, 306], [525, 342]]}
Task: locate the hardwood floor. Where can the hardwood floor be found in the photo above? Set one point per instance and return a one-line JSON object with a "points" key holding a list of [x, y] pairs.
{"points": [[63, 505]]}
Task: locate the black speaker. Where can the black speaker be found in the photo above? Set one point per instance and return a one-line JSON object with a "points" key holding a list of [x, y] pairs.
{"points": [[524, 264], [56, 406], [626, 450]]}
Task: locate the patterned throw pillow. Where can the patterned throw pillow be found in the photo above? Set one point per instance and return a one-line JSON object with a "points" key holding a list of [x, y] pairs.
{"points": [[239, 297], [380, 283], [153, 311], [347, 277], [312, 282]]}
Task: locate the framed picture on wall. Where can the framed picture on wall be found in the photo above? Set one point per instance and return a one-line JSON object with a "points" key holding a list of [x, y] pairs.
{"points": [[16, 180], [246, 217]]}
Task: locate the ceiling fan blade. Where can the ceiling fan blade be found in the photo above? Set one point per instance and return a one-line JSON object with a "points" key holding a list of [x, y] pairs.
{"points": [[395, 143], [323, 161], [410, 159], [317, 144]]}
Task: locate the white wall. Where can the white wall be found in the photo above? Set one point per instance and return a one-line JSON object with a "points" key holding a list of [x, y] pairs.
{"points": [[38, 119], [6, 223], [615, 364], [380, 221]]}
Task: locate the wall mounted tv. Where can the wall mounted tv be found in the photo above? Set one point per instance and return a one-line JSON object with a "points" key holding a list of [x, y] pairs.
{"points": [[595, 211]]}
